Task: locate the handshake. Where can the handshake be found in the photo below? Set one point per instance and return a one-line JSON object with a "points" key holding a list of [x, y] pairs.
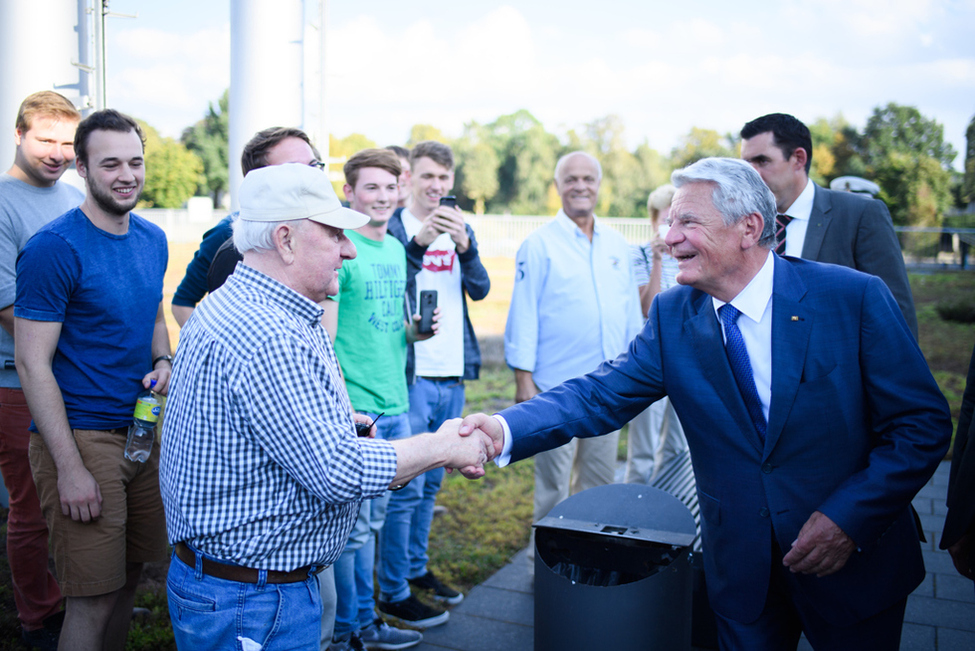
{"points": [[464, 445], [470, 443]]}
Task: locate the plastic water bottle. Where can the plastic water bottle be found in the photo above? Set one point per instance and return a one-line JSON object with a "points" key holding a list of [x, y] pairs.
{"points": [[142, 432]]}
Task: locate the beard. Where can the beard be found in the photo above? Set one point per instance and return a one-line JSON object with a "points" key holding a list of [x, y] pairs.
{"points": [[108, 203]]}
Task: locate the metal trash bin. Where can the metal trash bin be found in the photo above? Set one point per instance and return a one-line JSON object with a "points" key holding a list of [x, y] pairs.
{"points": [[612, 571]]}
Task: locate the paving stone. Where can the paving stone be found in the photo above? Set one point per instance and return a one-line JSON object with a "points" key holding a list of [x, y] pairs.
{"points": [[940, 612], [915, 637], [471, 633], [513, 576], [923, 505], [942, 475], [933, 492], [938, 561], [933, 523], [500, 605], [954, 587], [926, 589], [955, 640]]}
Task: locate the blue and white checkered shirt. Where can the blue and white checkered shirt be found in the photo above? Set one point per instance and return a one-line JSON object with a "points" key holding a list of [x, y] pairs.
{"points": [[260, 462]]}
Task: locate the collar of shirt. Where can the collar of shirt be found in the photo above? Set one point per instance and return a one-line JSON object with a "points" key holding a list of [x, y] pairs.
{"points": [[753, 299], [566, 222], [802, 207], [263, 288]]}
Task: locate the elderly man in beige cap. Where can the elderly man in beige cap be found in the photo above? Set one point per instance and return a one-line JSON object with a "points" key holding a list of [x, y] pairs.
{"points": [[262, 472]]}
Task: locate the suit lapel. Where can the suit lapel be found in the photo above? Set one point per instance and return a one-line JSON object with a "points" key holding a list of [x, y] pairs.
{"points": [[792, 323], [819, 220], [703, 335]]}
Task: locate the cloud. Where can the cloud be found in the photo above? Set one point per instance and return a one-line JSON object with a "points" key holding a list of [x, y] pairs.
{"points": [[168, 78], [662, 71]]}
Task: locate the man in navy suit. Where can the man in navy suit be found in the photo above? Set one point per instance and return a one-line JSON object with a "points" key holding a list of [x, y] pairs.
{"points": [[810, 433], [837, 227]]}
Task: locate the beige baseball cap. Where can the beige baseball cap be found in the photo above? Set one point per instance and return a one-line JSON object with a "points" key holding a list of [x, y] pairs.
{"points": [[281, 193]]}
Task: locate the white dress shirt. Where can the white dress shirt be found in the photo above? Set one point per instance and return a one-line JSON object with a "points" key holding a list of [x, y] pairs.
{"points": [[800, 211]]}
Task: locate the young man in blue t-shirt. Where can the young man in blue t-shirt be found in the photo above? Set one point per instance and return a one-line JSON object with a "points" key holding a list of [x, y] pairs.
{"points": [[90, 337]]}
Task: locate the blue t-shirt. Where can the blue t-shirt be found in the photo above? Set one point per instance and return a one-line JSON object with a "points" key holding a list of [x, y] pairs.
{"points": [[105, 290]]}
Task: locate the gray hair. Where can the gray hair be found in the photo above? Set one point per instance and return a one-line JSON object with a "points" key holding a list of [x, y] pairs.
{"points": [[256, 236], [559, 165], [738, 191]]}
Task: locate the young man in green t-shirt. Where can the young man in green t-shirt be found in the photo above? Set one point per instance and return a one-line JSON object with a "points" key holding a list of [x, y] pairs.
{"points": [[367, 323]]}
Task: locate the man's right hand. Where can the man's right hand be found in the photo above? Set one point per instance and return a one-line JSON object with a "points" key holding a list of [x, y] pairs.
{"points": [[81, 498], [486, 424]]}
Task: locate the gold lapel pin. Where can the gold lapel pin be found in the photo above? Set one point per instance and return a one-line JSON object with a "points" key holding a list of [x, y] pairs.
{"points": [[795, 318]]}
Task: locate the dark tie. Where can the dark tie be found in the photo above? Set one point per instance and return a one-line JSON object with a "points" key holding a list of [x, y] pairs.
{"points": [[742, 367], [781, 221]]}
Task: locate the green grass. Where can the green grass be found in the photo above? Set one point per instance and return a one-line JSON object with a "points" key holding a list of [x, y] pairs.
{"points": [[488, 520]]}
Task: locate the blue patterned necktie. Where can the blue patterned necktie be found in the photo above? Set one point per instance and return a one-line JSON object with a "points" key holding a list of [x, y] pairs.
{"points": [[742, 367]]}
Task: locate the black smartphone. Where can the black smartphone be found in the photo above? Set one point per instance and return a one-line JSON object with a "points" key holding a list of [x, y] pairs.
{"points": [[449, 200], [362, 429], [428, 302]]}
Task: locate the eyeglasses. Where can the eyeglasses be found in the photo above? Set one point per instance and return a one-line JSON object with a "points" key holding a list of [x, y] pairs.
{"points": [[317, 163]]}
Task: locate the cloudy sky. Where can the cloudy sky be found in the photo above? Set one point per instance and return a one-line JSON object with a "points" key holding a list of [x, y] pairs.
{"points": [[664, 67]]}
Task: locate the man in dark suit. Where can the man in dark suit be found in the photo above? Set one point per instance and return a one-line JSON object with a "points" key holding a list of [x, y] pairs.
{"points": [[810, 433], [837, 227], [959, 533]]}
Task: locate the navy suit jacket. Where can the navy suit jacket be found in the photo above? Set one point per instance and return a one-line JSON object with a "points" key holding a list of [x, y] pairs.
{"points": [[856, 427], [856, 231]]}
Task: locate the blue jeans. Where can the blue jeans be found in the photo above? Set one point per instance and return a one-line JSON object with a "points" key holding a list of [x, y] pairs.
{"points": [[355, 606], [211, 613], [403, 544]]}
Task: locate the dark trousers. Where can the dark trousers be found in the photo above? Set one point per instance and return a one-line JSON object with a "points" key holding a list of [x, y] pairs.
{"points": [[788, 614]]}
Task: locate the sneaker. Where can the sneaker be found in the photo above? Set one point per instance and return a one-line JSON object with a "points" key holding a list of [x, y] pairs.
{"points": [[351, 643], [46, 637], [440, 591], [380, 635], [414, 612]]}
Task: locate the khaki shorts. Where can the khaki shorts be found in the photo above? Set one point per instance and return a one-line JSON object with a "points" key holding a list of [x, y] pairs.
{"points": [[91, 557]]}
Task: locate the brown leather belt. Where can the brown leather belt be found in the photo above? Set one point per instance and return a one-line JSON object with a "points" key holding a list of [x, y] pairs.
{"points": [[239, 573]]}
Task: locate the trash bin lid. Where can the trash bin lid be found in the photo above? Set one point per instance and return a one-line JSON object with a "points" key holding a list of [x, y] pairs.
{"points": [[633, 511]]}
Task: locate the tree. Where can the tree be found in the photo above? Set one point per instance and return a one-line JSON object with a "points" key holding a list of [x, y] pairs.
{"points": [[422, 132], [526, 154], [210, 140], [477, 167], [903, 129], [702, 143], [624, 188], [968, 185], [172, 171], [339, 150], [654, 169], [908, 157], [916, 189]]}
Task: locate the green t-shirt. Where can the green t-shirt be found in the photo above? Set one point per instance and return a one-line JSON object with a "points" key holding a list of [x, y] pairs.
{"points": [[371, 340]]}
